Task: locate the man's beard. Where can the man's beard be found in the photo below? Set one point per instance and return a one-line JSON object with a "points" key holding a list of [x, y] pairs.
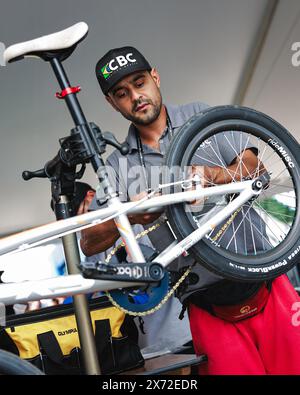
{"points": [[152, 112]]}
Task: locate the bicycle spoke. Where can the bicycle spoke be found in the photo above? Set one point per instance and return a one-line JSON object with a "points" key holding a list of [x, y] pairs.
{"points": [[259, 157], [272, 231], [278, 175], [236, 230], [270, 217], [224, 232], [245, 235], [235, 244], [255, 225], [221, 161], [245, 216], [261, 233], [261, 227], [276, 185], [287, 220], [276, 212], [271, 155], [240, 156], [252, 235]]}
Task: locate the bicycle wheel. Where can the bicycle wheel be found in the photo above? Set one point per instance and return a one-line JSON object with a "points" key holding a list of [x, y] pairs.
{"points": [[11, 364], [261, 240]]}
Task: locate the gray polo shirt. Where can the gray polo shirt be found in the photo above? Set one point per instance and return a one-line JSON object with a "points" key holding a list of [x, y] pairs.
{"points": [[127, 174], [220, 151], [172, 332], [129, 179]]}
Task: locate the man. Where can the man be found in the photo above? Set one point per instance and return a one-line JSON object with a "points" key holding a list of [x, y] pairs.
{"points": [[262, 340]]}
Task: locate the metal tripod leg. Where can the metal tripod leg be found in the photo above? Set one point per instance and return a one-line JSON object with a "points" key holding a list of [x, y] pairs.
{"points": [[82, 314]]}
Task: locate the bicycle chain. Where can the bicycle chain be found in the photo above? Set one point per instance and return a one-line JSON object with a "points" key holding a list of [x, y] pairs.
{"points": [[157, 307], [166, 297], [138, 236]]}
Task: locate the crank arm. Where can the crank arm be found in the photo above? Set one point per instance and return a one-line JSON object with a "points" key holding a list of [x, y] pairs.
{"points": [[146, 272]]}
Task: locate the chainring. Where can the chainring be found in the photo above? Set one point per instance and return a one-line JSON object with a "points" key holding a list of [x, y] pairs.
{"points": [[140, 300]]}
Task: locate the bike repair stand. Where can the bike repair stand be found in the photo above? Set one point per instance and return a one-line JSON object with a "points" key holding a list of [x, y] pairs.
{"points": [[62, 193], [63, 190]]}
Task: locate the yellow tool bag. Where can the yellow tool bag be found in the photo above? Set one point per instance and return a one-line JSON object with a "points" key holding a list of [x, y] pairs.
{"points": [[48, 338]]}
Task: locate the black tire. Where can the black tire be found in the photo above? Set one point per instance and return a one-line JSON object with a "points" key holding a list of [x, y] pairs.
{"points": [[278, 258], [11, 364]]}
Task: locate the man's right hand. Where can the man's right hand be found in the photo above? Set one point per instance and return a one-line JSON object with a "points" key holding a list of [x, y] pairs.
{"points": [[101, 237], [85, 204]]}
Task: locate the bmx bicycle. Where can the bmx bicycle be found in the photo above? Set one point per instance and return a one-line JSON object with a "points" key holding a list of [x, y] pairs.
{"points": [[264, 190]]}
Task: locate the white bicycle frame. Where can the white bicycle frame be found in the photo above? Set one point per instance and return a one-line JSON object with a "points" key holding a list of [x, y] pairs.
{"points": [[55, 49], [11, 293]]}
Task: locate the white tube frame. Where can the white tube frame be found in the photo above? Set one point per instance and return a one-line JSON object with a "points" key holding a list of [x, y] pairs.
{"points": [[75, 284]]}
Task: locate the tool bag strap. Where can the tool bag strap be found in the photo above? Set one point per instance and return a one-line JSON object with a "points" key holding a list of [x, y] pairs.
{"points": [[102, 334], [50, 346]]}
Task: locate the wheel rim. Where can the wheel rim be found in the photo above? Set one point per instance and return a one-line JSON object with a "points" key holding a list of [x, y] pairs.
{"points": [[282, 193]]}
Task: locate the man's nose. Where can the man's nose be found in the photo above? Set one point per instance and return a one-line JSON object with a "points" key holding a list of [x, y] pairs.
{"points": [[135, 95]]}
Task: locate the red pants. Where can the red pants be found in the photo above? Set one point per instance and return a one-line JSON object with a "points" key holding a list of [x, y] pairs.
{"points": [[268, 343]]}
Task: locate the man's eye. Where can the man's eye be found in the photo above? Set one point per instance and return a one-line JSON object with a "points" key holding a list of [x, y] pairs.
{"points": [[120, 95], [139, 84]]}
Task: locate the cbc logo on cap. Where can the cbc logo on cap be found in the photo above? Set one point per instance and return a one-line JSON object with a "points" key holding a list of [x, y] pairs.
{"points": [[115, 63]]}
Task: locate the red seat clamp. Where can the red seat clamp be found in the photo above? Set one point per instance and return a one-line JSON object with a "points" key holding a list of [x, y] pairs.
{"points": [[67, 91]]}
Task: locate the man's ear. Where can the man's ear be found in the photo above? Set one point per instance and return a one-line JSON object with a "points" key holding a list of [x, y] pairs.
{"points": [[154, 74], [110, 101]]}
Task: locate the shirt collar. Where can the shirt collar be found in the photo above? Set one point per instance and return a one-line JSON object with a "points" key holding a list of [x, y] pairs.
{"points": [[175, 119]]}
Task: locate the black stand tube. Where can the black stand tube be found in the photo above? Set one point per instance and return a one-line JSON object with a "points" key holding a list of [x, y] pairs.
{"points": [[72, 256]]}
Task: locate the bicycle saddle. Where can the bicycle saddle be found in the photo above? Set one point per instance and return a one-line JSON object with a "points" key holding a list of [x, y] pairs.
{"points": [[60, 44]]}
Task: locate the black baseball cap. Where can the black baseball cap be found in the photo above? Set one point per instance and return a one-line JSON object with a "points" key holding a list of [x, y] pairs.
{"points": [[117, 64]]}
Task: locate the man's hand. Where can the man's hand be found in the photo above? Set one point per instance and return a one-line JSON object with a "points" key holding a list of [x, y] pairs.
{"points": [[101, 237], [142, 219], [197, 176], [245, 165], [199, 172], [85, 204], [38, 304]]}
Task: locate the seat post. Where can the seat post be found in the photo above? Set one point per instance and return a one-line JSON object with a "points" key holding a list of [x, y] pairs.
{"points": [[77, 113], [71, 99]]}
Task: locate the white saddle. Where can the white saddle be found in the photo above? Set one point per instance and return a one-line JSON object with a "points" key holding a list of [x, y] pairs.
{"points": [[52, 42]]}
